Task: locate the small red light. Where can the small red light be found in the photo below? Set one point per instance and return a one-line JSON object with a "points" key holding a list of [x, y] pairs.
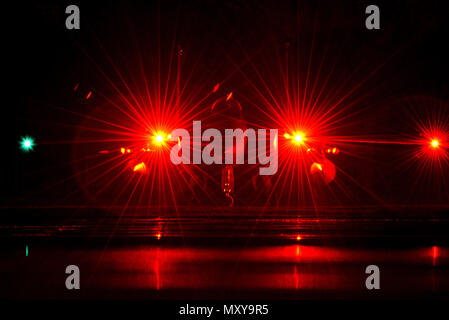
{"points": [[140, 168]]}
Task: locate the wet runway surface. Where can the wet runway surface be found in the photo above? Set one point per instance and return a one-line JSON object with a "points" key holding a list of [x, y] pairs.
{"points": [[289, 271], [213, 257]]}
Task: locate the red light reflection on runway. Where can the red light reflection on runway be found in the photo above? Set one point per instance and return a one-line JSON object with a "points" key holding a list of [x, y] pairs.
{"points": [[292, 267], [292, 271]]}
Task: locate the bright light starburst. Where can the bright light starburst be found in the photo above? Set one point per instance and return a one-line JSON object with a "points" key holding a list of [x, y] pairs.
{"points": [[27, 144], [435, 143]]}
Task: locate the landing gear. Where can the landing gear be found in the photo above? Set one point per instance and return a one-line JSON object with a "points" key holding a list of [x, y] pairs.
{"points": [[227, 182]]}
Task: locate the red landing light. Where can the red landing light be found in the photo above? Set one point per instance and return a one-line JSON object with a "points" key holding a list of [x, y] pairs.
{"points": [[333, 150], [159, 138], [435, 143], [316, 167], [297, 138]]}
